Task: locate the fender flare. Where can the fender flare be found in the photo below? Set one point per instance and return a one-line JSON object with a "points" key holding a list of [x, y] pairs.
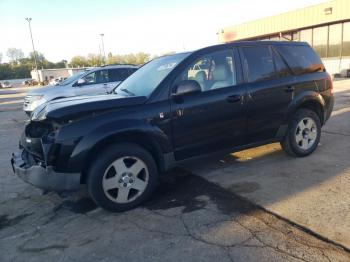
{"points": [[304, 98], [113, 130]]}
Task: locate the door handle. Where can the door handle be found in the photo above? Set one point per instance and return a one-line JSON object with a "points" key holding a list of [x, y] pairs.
{"points": [[290, 88], [233, 98]]}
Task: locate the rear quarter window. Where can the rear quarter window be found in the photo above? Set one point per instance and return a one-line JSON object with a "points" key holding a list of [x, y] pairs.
{"points": [[301, 59]]}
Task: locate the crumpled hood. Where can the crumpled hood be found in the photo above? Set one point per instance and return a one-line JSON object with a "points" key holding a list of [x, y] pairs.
{"points": [[75, 107]]}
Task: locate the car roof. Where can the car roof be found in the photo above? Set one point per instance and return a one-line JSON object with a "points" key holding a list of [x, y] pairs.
{"points": [[92, 69], [252, 43], [266, 42], [118, 66]]}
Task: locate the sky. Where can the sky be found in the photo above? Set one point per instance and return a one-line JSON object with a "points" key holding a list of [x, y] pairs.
{"points": [[65, 28]]}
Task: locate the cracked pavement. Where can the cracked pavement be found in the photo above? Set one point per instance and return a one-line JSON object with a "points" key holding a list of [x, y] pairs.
{"points": [[313, 191], [188, 219]]}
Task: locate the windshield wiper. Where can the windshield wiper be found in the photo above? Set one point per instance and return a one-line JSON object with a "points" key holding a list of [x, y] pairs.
{"points": [[127, 91]]}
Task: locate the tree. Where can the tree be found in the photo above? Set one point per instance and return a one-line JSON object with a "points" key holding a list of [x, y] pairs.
{"points": [[114, 59], [168, 53], [61, 64], [40, 59], [26, 61], [164, 54], [20, 66], [14, 54], [141, 58], [0, 58], [78, 61], [13, 71], [94, 60], [137, 59], [6, 71], [110, 58]]}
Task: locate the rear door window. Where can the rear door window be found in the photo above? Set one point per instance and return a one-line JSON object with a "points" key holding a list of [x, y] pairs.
{"points": [[132, 70], [118, 74], [258, 63], [301, 58]]}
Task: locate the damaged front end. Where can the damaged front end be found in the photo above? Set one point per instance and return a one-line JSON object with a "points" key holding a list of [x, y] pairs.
{"points": [[35, 160]]}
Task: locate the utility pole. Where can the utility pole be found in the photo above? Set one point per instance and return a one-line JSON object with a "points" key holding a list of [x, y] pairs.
{"points": [[100, 53], [103, 48], [31, 36]]}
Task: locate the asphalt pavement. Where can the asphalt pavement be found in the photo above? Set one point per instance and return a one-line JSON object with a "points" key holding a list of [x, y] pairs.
{"points": [[202, 212], [312, 192]]}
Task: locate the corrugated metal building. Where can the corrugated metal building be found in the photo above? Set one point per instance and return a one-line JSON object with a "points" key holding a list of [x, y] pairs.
{"points": [[326, 27]]}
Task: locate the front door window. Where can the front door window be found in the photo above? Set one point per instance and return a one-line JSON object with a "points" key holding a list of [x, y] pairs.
{"points": [[97, 77], [212, 71]]}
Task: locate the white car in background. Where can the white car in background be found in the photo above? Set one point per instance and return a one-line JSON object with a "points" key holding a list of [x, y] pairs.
{"points": [[6, 84], [55, 81], [99, 80]]}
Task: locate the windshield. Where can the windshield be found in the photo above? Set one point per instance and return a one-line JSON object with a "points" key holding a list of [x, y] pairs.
{"points": [[71, 79], [145, 80]]}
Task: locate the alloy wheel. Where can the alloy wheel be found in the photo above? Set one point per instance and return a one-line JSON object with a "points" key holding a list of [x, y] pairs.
{"points": [[306, 133], [125, 179]]}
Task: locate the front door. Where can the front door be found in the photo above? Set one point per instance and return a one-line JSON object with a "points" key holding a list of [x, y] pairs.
{"points": [[95, 83], [215, 118]]}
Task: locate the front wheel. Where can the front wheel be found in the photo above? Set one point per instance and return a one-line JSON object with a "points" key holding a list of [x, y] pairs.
{"points": [[122, 177], [304, 133]]}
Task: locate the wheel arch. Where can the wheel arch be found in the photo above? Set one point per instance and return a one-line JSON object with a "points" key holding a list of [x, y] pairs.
{"points": [[314, 106], [137, 137], [309, 100]]}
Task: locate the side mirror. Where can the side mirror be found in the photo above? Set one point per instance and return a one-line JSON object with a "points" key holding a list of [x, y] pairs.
{"points": [[187, 87], [81, 82]]}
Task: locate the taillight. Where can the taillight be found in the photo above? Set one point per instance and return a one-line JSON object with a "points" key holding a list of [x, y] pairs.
{"points": [[329, 79]]}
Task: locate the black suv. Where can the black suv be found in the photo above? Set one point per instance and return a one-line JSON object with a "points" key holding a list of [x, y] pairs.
{"points": [[223, 97]]}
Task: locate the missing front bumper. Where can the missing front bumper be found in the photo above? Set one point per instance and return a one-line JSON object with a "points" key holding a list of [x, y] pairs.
{"points": [[43, 177]]}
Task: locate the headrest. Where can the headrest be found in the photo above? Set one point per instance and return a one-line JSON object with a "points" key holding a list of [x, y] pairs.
{"points": [[220, 73], [201, 76]]}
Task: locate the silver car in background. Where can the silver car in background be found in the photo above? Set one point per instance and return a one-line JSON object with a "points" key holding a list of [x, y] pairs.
{"points": [[99, 80]]}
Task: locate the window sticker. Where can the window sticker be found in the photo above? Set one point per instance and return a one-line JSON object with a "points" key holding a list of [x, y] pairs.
{"points": [[167, 66]]}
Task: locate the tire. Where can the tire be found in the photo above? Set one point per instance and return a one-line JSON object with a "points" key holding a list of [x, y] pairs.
{"points": [[303, 135], [122, 177]]}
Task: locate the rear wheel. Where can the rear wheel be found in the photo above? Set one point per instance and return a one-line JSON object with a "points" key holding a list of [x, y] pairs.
{"points": [[304, 133], [122, 177]]}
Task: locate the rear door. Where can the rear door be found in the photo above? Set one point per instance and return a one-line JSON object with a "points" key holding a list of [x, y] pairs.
{"points": [[270, 91], [214, 118]]}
